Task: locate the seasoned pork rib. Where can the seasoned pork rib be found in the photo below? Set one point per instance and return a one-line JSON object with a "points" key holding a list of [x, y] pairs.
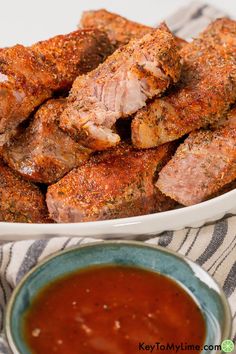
{"points": [[119, 87], [30, 75], [21, 201], [230, 122], [202, 165], [206, 89], [114, 184], [43, 152], [119, 30], [227, 188]]}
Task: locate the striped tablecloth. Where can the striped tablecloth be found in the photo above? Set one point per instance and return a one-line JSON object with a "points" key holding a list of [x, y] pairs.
{"points": [[212, 246]]}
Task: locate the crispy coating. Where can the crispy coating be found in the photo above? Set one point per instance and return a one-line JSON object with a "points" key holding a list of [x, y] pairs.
{"points": [[227, 188], [113, 184], [120, 86], [230, 121], [227, 120], [43, 152], [205, 92], [20, 201], [74, 54], [30, 75], [119, 30], [203, 165]]}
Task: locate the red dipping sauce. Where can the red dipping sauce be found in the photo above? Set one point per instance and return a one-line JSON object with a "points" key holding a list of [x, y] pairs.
{"points": [[112, 310]]}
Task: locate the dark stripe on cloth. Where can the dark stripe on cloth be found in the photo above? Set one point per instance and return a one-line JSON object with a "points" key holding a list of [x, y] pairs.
{"points": [[3, 291], [226, 256], [194, 240], [198, 13], [1, 317], [230, 282], [185, 238], [79, 242], [31, 257], [217, 239], [65, 244], [222, 253], [1, 277], [5, 286], [1, 257], [8, 263], [165, 239]]}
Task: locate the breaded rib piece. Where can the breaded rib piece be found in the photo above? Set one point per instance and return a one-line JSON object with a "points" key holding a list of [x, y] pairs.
{"points": [[202, 165], [30, 75], [20, 201], [230, 121], [227, 188], [114, 184], [204, 93], [119, 30], [43, 152], [119, 87]]}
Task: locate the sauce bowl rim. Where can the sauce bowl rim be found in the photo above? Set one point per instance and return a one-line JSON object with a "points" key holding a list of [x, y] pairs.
{"points": [[7, 321]]}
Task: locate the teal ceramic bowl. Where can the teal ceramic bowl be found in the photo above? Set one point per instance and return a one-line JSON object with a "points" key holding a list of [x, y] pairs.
{"points": [[193, 278]]}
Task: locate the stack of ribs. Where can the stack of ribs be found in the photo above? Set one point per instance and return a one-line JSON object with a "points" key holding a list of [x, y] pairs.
{"points": [[203, 95], [140, 70], [119, 30], [29, 76], [176, 97]]}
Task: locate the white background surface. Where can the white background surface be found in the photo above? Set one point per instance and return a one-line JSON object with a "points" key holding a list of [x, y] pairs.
{"points": [[26, 21]]}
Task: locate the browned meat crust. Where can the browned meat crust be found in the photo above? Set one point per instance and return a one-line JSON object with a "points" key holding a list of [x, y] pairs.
{"points": [[119, 30], [114, 184], [43, 152], [21, 201], [227, 188], [202, 165], [28, 76], [120, 86], [206, 90], [228, 120]]}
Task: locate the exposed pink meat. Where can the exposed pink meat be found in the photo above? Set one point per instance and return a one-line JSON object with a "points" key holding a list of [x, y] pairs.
{"points": [[142, 69], [202, 165]]}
